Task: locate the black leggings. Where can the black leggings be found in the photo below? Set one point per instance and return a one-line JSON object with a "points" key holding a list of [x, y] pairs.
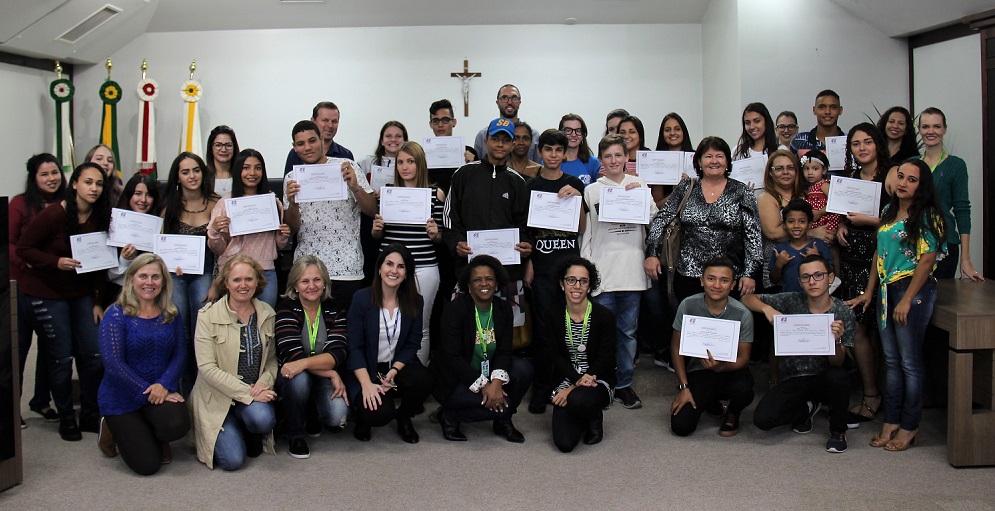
{"points": [[707, 387], [140, 434], [584, 404], [414, 384]]}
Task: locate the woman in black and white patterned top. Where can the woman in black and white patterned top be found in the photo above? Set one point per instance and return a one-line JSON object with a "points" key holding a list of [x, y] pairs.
{"points": [[411, 170], [583, 357]]}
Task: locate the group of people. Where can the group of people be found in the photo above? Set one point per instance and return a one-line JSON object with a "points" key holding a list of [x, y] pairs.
{"points": [[376, 316]]}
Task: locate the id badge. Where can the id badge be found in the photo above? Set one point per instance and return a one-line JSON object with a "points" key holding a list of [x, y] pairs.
{"points": [[485, 368]]}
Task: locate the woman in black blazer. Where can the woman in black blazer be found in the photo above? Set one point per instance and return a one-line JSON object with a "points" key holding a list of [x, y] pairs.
{"points": [[479, 378], [583, 357], [385, 332]]}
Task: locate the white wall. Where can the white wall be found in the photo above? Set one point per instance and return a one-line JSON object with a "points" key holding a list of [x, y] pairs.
{"points": [[948, 76], [260, 82], [791, 50], [28, 113], [720, 70]]}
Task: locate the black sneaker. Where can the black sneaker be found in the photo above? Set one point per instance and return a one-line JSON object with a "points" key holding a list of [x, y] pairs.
{"points": [[253, 445], [298, 449], [48, 414], [806, 425], [836, 442], [730, 424], [659, 361], [628, 398], [69, 431], [89, 423]]}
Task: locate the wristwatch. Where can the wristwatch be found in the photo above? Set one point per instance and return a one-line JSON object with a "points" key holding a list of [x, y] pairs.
{"points": [[681, 386]]}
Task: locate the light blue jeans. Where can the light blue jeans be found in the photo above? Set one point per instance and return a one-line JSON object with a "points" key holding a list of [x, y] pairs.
{"points": [[625, 305], [242, 420], [902, 346]]}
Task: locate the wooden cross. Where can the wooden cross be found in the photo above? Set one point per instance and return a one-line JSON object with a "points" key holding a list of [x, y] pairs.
{"points": [[465, 76]]}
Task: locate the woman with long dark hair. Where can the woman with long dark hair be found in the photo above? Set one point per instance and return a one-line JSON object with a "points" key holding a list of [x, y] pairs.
{"points": [[141, 195], [758, 137], [674, 134], [222, 146], [392, 135], [103, 156], [385, 332], [897, 126], [64, 305], [45, 185], [910, 241]]}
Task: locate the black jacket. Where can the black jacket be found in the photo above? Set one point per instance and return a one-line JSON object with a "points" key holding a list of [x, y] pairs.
{"points": [[363, 327], [451, 362], [601, 336]]}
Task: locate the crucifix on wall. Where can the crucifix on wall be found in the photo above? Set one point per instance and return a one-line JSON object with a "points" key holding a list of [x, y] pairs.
{"points": [[465, 76]]}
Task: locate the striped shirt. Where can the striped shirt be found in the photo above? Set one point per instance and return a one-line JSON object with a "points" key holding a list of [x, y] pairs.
{"points": [[415, 237], [579, 358]]}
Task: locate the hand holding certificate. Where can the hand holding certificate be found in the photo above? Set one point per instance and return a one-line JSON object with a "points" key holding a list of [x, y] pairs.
{"points": [[253, 213], [804, 334], [750, 170], [499, 243], [836, 152], [92, 252], [619, 205], [660, 167], [321, 182], [181, 251], [131, 227], [402, 205], [847, 195], [548, 211], [444, 152], [701, 336]]}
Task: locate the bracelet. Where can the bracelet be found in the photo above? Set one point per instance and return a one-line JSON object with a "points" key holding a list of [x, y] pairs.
{"points": [[395, 369]]}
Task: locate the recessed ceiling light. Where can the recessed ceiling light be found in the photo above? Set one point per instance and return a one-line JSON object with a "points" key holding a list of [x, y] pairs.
{"points": [[570, 21]]}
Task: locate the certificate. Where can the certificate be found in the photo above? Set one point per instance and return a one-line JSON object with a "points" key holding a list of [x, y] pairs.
{"points": [[132, 227], [320, 182], [253, 213], [660, 167], [689, 164], [400, 205], [444, 152], [92, 252], [750, 170], [836, 152], [547, 211], [848, 195], [619, 205], [699, 336], [499, 243], [804, 334], [381, 176], [181, 251]]}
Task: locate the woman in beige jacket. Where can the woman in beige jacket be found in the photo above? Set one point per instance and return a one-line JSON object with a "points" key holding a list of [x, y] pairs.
{"points": [[236, 359]]}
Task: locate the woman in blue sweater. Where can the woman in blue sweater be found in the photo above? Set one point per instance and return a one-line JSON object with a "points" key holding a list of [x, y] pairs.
{"points": [[143, 347]]}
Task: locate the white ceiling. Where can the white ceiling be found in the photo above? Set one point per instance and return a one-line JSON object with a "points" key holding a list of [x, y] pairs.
{"points": [[906, 17]]}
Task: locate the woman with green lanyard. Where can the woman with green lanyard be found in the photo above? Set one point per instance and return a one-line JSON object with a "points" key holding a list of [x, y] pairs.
{"points": [[311, 349], [582, 349], [478, 378]]}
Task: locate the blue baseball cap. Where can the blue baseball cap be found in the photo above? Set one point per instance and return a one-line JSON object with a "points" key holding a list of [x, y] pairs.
{"points": [[501, 124]]}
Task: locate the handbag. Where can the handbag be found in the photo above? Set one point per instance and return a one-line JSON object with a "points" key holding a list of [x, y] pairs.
{"points": [[671, 240]]}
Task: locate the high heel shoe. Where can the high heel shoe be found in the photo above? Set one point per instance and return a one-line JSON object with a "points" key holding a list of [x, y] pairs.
{"points": [[879, 440], [899, 446]]}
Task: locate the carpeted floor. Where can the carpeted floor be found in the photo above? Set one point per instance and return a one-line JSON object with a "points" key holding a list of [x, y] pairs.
{"points": [[640, 465]]}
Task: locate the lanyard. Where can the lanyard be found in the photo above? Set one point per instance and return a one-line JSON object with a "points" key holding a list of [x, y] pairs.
{"points": [[483, 336], [386, 326], [583, 332], [943, 154], [312, 328]]}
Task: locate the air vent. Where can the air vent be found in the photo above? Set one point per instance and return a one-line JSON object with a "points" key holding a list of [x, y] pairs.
{"points": [[90, 24]]}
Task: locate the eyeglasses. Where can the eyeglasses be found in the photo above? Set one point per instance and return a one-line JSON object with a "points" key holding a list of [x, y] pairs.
{"points": [[786, 127], [509, 99], [572, 131], [440, 120], [573, 281], [782, 168], [817, 276], [224, 145]]}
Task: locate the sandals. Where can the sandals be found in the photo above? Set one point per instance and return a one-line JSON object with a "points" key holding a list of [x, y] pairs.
{"points": [[855, 419], [899, 446], [880, 440]]}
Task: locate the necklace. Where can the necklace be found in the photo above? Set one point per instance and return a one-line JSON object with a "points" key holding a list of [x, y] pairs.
{"points": [[195, 212]]}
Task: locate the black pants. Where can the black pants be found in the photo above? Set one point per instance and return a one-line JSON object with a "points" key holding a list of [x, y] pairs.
{"points": [[466, 407], [545, 298], [786, 403], [140, 434], [414, 384], [584, 404], [342, 291], [707, 388], [656, 318]]}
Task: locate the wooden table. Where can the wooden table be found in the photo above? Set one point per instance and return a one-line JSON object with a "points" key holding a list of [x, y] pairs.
{"points": [[966, 310]]}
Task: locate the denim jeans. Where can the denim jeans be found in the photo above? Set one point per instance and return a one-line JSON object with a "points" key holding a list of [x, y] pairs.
{"points": [[296, 393], [67, 327], [902, 346], [242, 420], [189, 292], [625, 305], [26, 329], [271, 293]]}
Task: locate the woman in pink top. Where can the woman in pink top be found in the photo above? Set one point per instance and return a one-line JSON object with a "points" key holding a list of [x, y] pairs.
{"points": [[249, 178]]}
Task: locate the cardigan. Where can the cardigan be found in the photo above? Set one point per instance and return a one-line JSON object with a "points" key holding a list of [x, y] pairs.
{"points": [[363, 326], [600, 348], [41, 246], [290, 322], [451, 362]]}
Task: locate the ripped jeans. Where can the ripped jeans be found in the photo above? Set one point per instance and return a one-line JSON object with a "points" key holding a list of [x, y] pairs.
{"points": [[66, 329]]}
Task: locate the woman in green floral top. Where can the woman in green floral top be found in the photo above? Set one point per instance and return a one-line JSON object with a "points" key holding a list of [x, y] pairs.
{"points": [[911, 240]]}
